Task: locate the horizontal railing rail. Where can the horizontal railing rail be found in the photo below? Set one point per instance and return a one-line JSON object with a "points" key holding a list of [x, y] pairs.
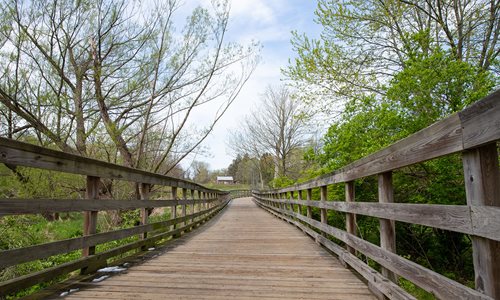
{"points": [[203, 203], [473, 133]]}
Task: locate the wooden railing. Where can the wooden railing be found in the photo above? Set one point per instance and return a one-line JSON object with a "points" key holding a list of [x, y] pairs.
{"points": [[474, 133], [204, 204]]}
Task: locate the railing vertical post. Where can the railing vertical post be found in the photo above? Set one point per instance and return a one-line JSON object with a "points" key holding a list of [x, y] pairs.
{"points": [[482, 187], [204, 200], [144, 194], [90, 217], [387, 227], [173, 211], [309, 197], [199, 200], [184, 199], [299, 198], [350, 218], [292, 206], [324, 198], [192, 206]]}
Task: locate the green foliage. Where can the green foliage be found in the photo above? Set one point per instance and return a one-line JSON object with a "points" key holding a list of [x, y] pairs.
{"points": [[281, 181], [434, 86]]}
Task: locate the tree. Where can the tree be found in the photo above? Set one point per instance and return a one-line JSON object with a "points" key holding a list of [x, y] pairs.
{"points": [[119, 69], [201, 172], [365, 43], [277, 127]]}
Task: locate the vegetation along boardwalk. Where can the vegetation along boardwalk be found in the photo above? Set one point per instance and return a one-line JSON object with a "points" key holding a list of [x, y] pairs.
{"points": [[243, 253]]}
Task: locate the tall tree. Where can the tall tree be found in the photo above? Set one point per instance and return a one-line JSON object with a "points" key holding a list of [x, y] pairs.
{"points": [[277, 127], [121, 69], [365, 43]]}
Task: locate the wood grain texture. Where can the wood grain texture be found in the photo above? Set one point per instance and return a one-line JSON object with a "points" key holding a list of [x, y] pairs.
{"points": [[481, 121], [244, 253], [441, 286]]}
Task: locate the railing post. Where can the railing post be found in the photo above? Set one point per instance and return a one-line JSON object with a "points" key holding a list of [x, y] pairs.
{"points": [[299, 198], [309, 197], [144, 194], [192, 206], [387, 227], [292, 206], [199, 200], [482, 187], [90, 217], [350, 218], [204, 200], [184, 199], [173, 211], [324, 198]]}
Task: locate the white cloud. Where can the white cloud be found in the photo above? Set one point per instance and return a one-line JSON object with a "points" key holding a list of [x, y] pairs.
{"points": [[255, 11]]}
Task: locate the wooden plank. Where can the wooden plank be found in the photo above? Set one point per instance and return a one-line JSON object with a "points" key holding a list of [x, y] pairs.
{"points": [[459, 218], [23, 154], [387, 226], [481, 121], [435, 283], [16, 284], [13, 206], [21, 255], [482, 186]]}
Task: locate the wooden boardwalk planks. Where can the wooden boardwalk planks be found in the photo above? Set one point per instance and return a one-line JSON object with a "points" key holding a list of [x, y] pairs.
{"points": [[244, 253]]}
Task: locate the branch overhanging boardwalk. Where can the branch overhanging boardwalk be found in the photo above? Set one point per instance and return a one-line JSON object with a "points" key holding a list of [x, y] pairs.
{"points": [[242, 253]]}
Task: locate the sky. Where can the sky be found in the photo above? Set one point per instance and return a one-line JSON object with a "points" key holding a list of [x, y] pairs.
{"points": [[270, 22]]}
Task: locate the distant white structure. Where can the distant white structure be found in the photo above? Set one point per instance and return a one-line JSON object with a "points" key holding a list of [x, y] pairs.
{"points": [[225, 180]]}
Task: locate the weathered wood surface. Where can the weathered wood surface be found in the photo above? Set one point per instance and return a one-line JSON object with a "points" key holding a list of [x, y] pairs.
{"points": [[245, 253]]}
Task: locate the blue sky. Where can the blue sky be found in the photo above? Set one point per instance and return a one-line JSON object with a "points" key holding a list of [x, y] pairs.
{"points": [[270, 22]]}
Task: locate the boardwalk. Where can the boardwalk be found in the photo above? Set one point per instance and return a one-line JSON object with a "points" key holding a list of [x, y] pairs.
{"points": [[241, 254]]}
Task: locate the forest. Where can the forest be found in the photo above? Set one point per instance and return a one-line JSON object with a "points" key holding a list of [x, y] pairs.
{"points": [[99, 80]]}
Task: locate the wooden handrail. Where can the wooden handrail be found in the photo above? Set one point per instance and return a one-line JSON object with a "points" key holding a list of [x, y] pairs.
{"points": [[24, 154], [474, 133]]}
